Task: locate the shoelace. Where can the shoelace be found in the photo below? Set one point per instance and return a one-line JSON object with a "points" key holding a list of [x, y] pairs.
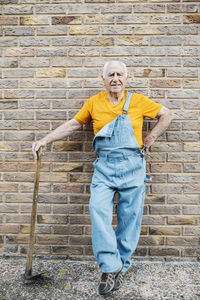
{"points": [[107, 277]]}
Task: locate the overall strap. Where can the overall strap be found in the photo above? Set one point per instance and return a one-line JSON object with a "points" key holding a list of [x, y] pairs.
{"points": [[126, 104]]}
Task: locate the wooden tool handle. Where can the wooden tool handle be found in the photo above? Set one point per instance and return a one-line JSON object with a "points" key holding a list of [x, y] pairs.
{"points": [[34, 213]]}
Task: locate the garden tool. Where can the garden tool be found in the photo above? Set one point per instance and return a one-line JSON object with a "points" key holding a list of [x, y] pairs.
{"points": [[28, 271]]}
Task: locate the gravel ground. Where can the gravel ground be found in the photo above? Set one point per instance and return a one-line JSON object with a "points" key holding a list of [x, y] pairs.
{"points": [[67, 279]]}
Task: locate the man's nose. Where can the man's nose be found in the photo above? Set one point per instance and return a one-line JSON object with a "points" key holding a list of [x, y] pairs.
{"points": [[115, 77]]}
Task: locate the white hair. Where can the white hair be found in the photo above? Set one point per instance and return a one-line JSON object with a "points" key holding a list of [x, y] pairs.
{"points": [[106, 66]]}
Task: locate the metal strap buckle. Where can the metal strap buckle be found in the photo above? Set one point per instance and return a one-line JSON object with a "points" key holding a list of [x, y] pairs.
{"points": [[124, 112]]}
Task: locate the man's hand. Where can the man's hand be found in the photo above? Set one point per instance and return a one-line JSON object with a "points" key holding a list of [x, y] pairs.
{"points": [[165, 117], [36, 147], [148, 141], [59, 133]]}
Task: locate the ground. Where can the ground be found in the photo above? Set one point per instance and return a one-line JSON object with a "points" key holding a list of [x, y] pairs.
{"points": [[67, 279]]}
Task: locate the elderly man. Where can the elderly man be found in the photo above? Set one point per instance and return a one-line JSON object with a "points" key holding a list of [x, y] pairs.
{"points": [[117, 117]]}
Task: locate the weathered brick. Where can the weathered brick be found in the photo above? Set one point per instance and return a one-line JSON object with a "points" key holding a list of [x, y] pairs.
{"points": [[35, 41], [151, 241], [18, 31], [120, 8], [51, 52], [19, 136], [156, 251], [80, 240], [34, 20], [54, 219], [8, 63], [165, 62], [191, 230], [8, 42], [149, 8], [182, 241], [167, 147], [50, 9], [192, 19], [131, 19], [117, 51], [52, 240], [50, 115], [84, 51], [164, 230], [4, 83], [68, 209], [51, 72], [165, 210], [163, 83], [20, 73], [182, 8], [65, 20], [18, 9], [166, 41], [16, 239], [81, 178], [85, 220], [166, 168], [67, 230], [8, 187], [182, 199], [49, 30], [153, 220], [181, 220], [183, 51], [83, 30], [129, 40], [19, 219], [68, 188], [191, 209], [37, 104], [6, 228], [67, 250], [182, 73], [182, 30], [193, 251], [168, 19], [19, 52], [7, 20], [83, 9], [35, 62], [117, 30]]}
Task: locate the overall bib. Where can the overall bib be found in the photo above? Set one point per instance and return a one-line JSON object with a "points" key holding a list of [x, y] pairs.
{"points": [[120, 167]]}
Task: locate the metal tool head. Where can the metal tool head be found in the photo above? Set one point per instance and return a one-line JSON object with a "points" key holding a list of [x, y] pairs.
{"points": [[29, 276]]}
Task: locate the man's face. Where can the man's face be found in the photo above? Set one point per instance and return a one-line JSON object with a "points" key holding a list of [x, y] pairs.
{"points": [[115, 78]]}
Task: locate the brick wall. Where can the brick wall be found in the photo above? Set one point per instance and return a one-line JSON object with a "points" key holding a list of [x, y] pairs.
{"points": [[51, 56]]}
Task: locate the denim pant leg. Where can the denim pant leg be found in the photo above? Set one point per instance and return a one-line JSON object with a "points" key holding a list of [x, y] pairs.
{"points": [[103, 236], [129, 218]]}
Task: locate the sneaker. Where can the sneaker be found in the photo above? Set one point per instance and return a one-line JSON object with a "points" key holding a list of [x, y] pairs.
{"points": [[107, 282], [119, 279]]}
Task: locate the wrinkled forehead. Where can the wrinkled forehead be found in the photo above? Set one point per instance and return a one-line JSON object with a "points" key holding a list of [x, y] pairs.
{"points": [[115, 67]]}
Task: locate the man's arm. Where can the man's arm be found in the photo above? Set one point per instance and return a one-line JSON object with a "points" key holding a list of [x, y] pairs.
{"points": [[165, 117], [59, 133]]}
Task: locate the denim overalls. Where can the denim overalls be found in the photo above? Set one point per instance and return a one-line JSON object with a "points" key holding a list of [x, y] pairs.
{"points": [[120, 166]]}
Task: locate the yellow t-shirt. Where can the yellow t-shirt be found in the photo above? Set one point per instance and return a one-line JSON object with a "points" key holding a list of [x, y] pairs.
{"points": [[99, 109]]}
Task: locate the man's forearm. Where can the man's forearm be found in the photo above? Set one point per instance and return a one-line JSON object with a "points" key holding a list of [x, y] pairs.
{"points": [[160, 127], [62, 131]]}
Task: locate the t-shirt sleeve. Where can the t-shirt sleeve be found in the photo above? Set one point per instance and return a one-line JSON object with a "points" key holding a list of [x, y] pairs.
{"points": [[150, 108], [84, 114]]}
